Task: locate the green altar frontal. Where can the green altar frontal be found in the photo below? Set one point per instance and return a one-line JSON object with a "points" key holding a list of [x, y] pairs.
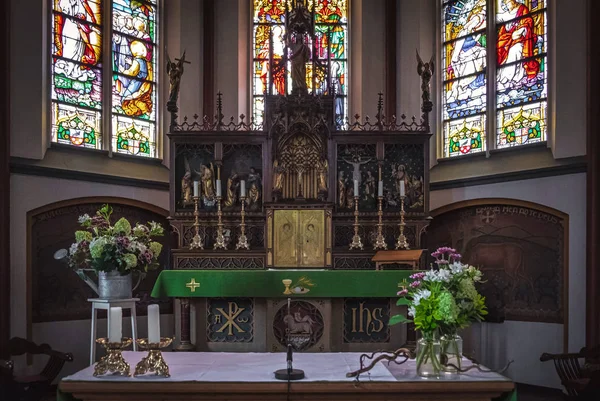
{"points": [[279, 283]]}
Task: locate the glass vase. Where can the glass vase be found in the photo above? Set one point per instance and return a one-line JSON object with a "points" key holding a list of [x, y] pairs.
{"points": [[428, 356], [451, 352]]}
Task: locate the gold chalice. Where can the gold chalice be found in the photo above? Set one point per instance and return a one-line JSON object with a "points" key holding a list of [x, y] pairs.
{"points": [[287, 282]]}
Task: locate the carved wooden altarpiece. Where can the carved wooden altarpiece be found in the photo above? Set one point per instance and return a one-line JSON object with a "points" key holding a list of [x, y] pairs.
{"points": [[298, 167]]}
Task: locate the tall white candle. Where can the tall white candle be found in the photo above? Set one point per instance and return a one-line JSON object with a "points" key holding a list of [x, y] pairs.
{"points": [[196, 183], [218, 188], [355, 187], [115, 322], [402, 188], [243, 188], [380, 189], [153, 324]]}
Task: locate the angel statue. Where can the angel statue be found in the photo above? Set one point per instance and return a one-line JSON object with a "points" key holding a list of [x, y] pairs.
{"points": [[175, 71], [186, 185], [425, 71]]}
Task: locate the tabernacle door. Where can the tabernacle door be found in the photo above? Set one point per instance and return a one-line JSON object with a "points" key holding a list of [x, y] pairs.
{"points": [[299, 238]]}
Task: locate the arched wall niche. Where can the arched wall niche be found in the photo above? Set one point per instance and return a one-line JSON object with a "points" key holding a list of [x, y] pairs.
{"points": [[522, 249], [54, 292]]}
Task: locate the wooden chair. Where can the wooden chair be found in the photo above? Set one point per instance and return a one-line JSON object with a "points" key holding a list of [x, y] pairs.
{"points": [[33, 388], [573, 376]]}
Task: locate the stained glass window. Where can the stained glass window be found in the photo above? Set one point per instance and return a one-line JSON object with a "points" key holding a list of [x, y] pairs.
{"points": [[77, 72], [79, 105], [134, 78], [520, 84], [330, 49]]}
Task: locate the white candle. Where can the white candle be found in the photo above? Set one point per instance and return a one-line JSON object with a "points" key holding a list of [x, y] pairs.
{"points": [[380, 189], [218, 188], [243, 188], [401, 188], [355, 187], [115, 318], [196, 183], [153, 324]]}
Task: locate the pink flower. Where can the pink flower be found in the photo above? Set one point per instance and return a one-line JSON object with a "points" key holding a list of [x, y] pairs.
{"points": [[417, 276], [415, 284], [445, 249], [442, 262], [402, 293], [455, 256], [436, 254]]}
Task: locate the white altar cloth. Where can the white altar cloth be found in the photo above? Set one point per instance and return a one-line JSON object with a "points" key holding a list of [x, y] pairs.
{"points": [[260, 367]]}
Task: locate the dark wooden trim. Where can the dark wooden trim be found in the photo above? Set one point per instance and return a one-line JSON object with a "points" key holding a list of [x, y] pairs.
{"points": [[208, 79], [574, 168], [592, 333], [28, 169], [5, 181], [390, 58], [536, 206]]}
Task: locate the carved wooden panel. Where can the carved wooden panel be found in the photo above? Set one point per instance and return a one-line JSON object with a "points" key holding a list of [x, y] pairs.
{"points": [[230, 320], [57, 292], [366, 320], [356, 162], [404, 162], [521, 250], [219, 262], [242, 162], [189, 162]]}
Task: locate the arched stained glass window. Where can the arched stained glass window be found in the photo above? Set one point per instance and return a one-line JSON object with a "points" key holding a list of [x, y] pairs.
{"points": [[330, 48], [81, 103], [512, 110]]}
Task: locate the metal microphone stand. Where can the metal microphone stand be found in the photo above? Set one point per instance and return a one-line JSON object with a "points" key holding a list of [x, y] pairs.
{"points": [[289, 373]]}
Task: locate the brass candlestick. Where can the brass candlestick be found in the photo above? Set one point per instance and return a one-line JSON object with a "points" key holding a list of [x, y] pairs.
{"points": [[220, 241], [380, 240], [196, 240], [113, 361], [154, 361], [356, 241], [243, 240], [402, 243]]}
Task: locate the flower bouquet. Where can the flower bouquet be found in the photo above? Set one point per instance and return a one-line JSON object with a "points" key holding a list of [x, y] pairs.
{"points": [[114, 250], [441, 301]]}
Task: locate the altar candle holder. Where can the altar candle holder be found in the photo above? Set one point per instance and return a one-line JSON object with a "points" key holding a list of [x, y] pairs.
{"points": [[356, 241], [154, 361], [220, 240], [113, 362], [197, 240], [242, 239], [380, 240], [402, 243]]}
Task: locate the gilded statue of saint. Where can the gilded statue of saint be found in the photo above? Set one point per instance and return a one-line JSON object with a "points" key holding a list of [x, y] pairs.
{"points": [[341, 190], [253, 195], [277, 176], [232, 185], [186, 185], [208, 186], [322, 177], [370, 190]]}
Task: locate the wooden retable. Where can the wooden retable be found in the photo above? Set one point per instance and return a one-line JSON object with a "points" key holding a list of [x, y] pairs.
{"points": [[249, 376]]}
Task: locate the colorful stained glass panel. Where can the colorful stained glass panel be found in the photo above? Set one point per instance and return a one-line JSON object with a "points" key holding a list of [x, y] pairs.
{"points": [[465, 56], [331, 11], [521, 125], [82, 10], [76, 84], [510, 9], [464, 136], [76, 126], [521, 38], [464, 97], [462, 18], [135, 18], [269, 11], [515, 86], [133, 137]]}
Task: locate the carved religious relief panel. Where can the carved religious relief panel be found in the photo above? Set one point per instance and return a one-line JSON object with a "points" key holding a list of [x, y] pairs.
{"points": [[230, 320], [300, 238], [366, 320], [195, 162], [356, 162], [404, 163], [242, 162]]}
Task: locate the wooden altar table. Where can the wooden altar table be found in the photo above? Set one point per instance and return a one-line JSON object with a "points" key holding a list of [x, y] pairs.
{"points": [[249, 376]]}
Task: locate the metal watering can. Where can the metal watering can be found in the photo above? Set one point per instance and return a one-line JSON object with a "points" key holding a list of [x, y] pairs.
{"points": [[111, 285]]}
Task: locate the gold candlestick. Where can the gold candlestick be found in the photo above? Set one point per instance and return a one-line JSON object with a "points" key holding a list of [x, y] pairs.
{"points": [[380, 240], [356, 241], [197, 242], [113, 361], [220, 241], [243, 240], [402, 243], [154, 361]]}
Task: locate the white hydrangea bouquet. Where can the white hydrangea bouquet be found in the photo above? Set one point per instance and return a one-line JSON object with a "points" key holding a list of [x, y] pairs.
{"points": [[119, 247], [441, 301]]}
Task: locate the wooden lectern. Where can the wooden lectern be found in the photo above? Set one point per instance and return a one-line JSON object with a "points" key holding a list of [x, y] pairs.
{"points": [[410, 257]]}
